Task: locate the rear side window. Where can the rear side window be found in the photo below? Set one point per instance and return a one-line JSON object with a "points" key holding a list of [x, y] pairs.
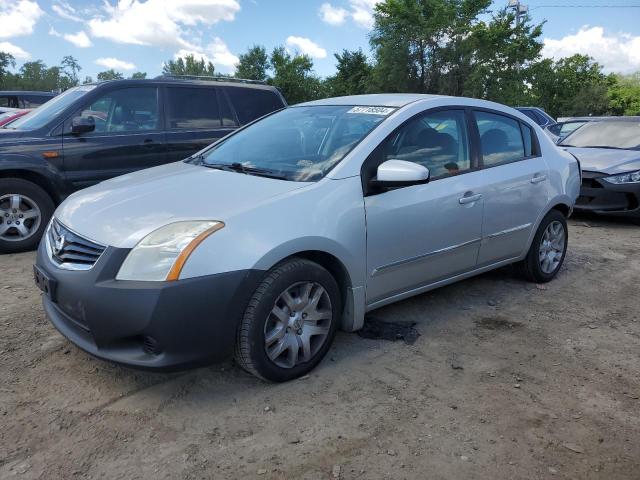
{"points": [[9, 101], [252, 103], [527, 136], [500, 139], [192, 108]]}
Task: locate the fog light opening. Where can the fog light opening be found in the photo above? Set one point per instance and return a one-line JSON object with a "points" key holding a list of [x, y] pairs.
{"points": [[150, 345]]}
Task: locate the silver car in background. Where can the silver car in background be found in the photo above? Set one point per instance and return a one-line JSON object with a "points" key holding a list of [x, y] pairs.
{"points": [[270, 240]]}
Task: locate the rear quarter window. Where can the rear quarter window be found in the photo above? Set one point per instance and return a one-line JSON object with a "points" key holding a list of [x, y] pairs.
{"points": [[252, 103]]}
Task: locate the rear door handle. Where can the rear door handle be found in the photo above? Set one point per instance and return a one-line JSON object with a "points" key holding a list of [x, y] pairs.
{"points": [[469, 198], [538, 177]]}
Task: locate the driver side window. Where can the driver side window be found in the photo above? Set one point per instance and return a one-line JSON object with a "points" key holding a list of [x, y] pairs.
{"points": [[436, 140], [124, 110]]}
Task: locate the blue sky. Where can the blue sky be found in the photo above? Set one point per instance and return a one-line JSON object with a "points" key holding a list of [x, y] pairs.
{"points": [[138, 35]]}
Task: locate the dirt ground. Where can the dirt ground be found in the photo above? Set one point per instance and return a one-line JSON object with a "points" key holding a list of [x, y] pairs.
{"points": [[508, 380]]}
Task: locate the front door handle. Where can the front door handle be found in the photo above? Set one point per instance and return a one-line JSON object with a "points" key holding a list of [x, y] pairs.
{"points": [[538, 177], [469, 198]]}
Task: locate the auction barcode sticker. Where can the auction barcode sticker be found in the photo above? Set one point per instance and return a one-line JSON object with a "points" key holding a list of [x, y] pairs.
{"points": [[372, 110]]}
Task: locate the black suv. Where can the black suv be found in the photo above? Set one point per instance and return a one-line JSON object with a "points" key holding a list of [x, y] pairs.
{"points": [[94, 132]]}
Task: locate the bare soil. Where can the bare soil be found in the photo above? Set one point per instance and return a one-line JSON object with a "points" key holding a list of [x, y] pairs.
{"points": [[508, 380]]}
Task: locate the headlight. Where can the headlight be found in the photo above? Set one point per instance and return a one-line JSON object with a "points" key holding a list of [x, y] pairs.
{"points": [[631, 177], [161, 255]]}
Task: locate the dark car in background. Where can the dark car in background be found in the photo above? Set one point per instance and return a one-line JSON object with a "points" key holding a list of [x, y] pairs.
{"points": [[609, 152], [538, 115], [23, 99], [94, 132]]}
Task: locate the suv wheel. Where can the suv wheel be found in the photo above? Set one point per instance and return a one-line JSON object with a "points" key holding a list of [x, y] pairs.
{"points": [[548, 249], [290, 321], [25, 210]]}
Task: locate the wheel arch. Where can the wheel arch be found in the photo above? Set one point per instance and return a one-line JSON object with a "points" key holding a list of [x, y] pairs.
{"points": [[352, 294], [34, 177]]}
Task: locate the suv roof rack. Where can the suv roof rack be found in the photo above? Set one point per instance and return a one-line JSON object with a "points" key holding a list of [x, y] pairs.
{"points": [[210, 78]]}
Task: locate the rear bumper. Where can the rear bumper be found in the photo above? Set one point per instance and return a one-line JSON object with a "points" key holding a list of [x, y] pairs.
{"points": [[149, 325], [603, 198]]}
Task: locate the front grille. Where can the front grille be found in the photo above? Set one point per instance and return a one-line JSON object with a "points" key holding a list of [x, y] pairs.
{"points": [[70, 250]]}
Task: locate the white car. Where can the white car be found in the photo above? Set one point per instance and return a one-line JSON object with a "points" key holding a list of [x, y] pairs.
{"points": [[270, 240]]}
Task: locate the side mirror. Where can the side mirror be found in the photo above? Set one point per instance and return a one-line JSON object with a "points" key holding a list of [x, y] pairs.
{"points": [[81, 125], [400, 173]]}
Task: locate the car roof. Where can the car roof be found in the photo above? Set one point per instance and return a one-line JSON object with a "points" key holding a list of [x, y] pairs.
{"points": [[177, 81], [26, 92], [377, 99]]}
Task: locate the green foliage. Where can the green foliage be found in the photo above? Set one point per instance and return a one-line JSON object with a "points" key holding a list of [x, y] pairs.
{"points": [[624, 94], [253, 64], [138, 76], [6, 61], [188, 65], [110, 74], [294, 76], [353, 76]]}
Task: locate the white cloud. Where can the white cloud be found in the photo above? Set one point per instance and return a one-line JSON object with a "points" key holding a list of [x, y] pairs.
{"points": [[360, 11], [159, 22], [80, 39], [332, 15], [66, 11], [114, 63], [18, 18], [307, 47], [14, 50], [615, 52], [216, 52]]}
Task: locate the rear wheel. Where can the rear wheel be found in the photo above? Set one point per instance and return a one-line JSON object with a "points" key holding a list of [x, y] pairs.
{"points": [[290, 321], [25, 210], [548, 249]]}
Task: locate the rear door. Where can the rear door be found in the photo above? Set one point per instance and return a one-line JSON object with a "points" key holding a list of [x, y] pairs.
{"points": [[517, 184], [196, 116], [128, 136]]}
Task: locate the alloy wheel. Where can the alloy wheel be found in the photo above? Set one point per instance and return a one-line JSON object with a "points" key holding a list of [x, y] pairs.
{"points": [[20, 217]]}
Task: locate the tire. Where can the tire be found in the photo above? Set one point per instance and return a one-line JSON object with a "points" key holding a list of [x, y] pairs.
{"points": [[32, 199], [533, 267], [297, 277]]}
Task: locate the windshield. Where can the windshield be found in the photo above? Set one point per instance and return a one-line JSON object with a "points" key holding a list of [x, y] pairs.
{"points": [[624, 134], [298, 143], [42, 115]]}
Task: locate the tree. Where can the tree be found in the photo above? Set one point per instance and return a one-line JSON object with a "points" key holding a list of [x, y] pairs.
{"points": [[188, 65], [6, 61], [87, 79], [253, 64], [503, 58], [71, 68], [110, 74], [353, 76], [416, 42], [571, 86], [138, 76], [624, 94], [294, 76]]}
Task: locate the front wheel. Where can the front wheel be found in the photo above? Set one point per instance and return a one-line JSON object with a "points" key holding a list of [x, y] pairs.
{"points": [[25, 210], [548, 249], [290, 321]]}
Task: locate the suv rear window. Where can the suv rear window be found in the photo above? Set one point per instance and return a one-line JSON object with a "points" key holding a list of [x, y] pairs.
{"points": [[252, 103], [192, 108]]}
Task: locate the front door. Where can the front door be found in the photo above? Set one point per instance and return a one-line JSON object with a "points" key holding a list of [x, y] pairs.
{"points": [[517, 185], [422, 234], [128, 136]]}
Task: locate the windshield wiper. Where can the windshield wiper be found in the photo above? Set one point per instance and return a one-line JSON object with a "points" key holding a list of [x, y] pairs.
{"points": [[605, 146], [239, 168]]}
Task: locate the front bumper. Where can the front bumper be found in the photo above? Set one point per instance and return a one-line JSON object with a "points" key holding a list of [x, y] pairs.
{"points": [[603, 198], [149, 325]]}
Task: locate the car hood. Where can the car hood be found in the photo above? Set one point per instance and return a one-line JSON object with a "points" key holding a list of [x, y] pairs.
{"points": [[121, 211], [606, 160], [9, 134]]}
